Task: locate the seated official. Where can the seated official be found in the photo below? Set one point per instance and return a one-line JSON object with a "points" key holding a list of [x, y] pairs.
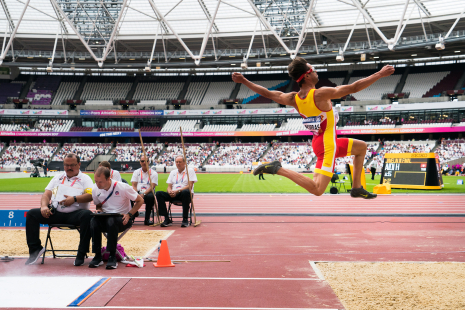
{"points": [[178, 189], [114, 174], [141, 184], [66, 200], [113, 197]]}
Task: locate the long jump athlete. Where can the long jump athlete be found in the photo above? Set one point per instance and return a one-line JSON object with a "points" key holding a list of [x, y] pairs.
{"points": [[315, 106]]}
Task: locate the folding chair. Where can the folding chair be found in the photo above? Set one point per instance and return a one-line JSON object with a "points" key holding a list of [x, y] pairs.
{"points": [[118, 253], [335, 182], [49, 238], [179, 203]]}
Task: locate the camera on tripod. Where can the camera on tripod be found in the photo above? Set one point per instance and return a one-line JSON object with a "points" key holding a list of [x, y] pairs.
{"points": [[37, 162]]}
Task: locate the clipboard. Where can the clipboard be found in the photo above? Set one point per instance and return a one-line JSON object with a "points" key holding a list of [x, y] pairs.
{"points": [[62, 190]]}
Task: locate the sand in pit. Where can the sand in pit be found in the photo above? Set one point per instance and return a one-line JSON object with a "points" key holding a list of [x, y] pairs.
{"points": [[135, 242], [395, 286]]}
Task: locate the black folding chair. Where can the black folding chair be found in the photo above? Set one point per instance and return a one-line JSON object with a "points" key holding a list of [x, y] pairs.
{"points": [[335, 181], [49, 238], [179, 203]]}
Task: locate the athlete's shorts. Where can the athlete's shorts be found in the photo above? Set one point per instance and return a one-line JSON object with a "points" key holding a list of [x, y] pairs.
{"points": [[327, 150]]}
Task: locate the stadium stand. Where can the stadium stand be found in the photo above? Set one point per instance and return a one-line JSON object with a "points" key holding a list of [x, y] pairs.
{"points": [[10, 91], [294, 156], [248, 95], [14, 127], [66, 90], [81, 128], [368, 124], [403, 147], [126, 129], [428, 123], [240, 155], [340, 165], [186, 125], [447, 83], [196, 90], [217, 91], [418, 84], [258, 127], [20, 154], [150, 128], [53, 125], [106, 88], [43, 89], [195, 154], [219, 128], [86, 151], [450, 150], [163, 88], [293, 124], [131, 152], [376, 90]]}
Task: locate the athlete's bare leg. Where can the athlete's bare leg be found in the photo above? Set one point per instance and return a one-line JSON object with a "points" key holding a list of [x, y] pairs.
{"points": [[359, 149], [317, 186]]}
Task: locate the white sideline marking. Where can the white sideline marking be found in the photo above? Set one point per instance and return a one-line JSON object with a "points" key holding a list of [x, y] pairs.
{"points": [[207, 308], [211, 278], [156, 245], [317, 270]]}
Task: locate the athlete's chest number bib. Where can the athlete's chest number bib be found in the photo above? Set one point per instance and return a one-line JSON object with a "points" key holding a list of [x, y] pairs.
{"points": [[312, 123]]}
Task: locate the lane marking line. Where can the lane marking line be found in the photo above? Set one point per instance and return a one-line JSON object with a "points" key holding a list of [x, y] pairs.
{"points": [[317, 271], [83, 297], [211, 278], [156, 245]]}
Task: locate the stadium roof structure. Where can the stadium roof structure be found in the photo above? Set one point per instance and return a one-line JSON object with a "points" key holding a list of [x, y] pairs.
{"points": [[221, 33]]}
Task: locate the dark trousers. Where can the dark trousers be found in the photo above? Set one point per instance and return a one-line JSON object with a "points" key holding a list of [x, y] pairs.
{"points": [[184, 196], [373, 172], [149, 202], [112, 225], [79, 218], [260, 176]]}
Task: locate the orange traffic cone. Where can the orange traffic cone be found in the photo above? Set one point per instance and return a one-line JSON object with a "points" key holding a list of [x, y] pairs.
{"points": [[164, 259]]}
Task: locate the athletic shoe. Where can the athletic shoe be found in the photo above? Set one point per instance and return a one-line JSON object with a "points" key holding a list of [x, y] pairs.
{"points": [[96, 261], [362, 193], [79, 261], [271, 168], [112, 264], [167, 222], [185, 223], [33, 257]]}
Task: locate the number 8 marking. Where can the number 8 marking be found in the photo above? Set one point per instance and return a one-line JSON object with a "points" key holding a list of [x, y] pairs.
{"points": [[11, 214]]}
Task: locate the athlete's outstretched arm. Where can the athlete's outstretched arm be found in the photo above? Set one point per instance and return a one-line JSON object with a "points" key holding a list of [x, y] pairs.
{"points": [[276, 96], [327, 93]]}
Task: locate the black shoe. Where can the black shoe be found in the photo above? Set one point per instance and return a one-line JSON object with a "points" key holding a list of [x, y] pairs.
{"points": [[96, 261], [271, 168], [79, 261], [362, 193], [148, 222], [167, 222], [112, 263], [33, 257], [185, 223]]}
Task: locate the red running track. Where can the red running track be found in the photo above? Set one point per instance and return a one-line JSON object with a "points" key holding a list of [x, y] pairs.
{"points": [[218, 204]]}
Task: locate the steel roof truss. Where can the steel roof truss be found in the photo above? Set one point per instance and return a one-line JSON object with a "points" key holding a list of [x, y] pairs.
{"points": [[10, 41]]}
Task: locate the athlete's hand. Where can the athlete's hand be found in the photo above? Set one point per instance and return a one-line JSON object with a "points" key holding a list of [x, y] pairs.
{"points": [[386, 71], [238, 78]]}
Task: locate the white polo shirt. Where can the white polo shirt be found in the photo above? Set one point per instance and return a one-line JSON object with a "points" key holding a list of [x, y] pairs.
{"points": [[75, 186], [120, 199], [114, 174], [142, 178], [179, 179]]}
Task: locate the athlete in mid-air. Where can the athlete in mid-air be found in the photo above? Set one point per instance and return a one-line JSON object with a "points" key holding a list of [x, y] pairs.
{"points": [[315, 106]]}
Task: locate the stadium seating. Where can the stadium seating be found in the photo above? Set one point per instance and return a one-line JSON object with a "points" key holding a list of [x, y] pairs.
{"points": [[20, 154], [125, 129], [450, 150], [217, 91], [212, 128], [370, 124], [376, 90], [428, 123], [195, 154], [162, 89], [42, 89], [10, 90], [417, 84], [246, 93], [150, 128], [196, 91], [403, 147], [53, 125], [186, 125], [131, 152], [106, 88], [258, 127], [291, 155], [14, 127], [293, 124], [81, 128], [65, 91], [237, 154], [86, 151]]}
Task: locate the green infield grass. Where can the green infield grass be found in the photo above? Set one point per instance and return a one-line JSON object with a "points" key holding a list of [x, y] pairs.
{"points": [[233, 183]]}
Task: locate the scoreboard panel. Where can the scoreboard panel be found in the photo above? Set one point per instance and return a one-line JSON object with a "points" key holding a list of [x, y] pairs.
{"points": [[412, 170]]}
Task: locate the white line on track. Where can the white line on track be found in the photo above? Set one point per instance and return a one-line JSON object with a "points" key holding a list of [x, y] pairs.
{"points": [[212, 278], [317, 271]]}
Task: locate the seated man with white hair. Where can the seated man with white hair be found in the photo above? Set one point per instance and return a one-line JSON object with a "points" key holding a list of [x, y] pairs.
{"points": [[178, 189]]}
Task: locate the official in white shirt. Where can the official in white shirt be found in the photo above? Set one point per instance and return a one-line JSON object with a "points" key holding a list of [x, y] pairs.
{"points": [[66, 200], [114, 197], [114, 174], [141, 184], [373, 167], [178, 189]]}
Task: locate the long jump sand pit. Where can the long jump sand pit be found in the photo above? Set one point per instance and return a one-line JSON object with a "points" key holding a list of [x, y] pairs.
{"points": [[135, 242], [396, 286]]}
